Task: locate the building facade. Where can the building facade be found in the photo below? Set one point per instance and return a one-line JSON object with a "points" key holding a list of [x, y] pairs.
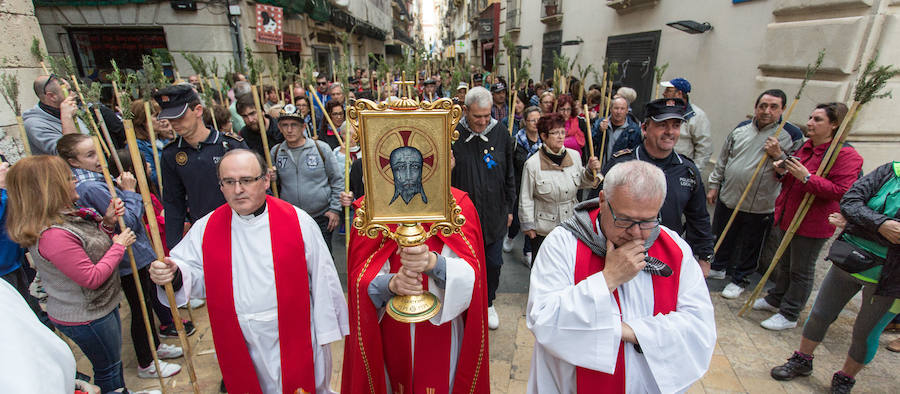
{"points": [[19, 24], [753, 45], [93, 32]]}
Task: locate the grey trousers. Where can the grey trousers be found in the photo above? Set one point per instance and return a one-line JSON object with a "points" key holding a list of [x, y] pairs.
{"points": [[794, 274], [837, 289]]}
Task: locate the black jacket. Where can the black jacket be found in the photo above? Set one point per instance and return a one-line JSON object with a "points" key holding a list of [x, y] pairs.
{"points": [[685, 195], [484, 169], [254, 141], [863, 221]]}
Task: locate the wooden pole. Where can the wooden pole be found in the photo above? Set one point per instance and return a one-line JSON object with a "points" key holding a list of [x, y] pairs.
{"points": [[134, 270], [328, 119], [81, 96], [590, 138], [152, 134], [829, 158], [609, 93], [23, 135], [759, 165], [219, 87], [261, 122], [158, 248], [114, 154], [102, 127]]}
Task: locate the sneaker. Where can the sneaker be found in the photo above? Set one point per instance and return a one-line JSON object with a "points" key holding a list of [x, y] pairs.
{"points": [[507, 244], [716, 274], [493, 318], [778, 322], [168, 369], [143, 392], [732, 291], [762, 305], [166, 351], [894, 346], [171, 332], [527, 260], [196, 303], [797, 365], [841, 383]]}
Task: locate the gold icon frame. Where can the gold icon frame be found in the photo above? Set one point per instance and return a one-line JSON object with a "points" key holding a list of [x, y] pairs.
{"points": [[429, 127]]}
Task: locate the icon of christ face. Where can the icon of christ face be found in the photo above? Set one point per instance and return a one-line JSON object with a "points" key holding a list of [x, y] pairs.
{"points": [[406, 165]]}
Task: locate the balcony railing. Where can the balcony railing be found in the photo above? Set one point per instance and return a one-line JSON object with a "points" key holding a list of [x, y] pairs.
{"points": [[551, 11], [513, 16]]}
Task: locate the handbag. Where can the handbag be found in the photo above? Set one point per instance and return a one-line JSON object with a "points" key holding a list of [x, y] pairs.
{"points": [[851, 258]]}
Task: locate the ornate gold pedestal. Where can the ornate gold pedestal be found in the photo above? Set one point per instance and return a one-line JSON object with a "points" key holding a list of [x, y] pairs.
{"points": [[417, 308]]}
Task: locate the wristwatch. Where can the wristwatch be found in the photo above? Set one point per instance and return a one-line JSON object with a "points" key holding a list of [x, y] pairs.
{"points": [[806, 178]]}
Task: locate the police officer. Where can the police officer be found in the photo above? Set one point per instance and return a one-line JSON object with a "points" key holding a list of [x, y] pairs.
{"points": [[684, 194], [189, 162]]}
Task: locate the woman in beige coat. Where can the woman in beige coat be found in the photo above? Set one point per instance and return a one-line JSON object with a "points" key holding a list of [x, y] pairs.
{"points": [[550, 182]]}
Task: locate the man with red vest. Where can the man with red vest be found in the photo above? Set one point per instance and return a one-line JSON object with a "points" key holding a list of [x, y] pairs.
{"points": [[275, 301], [446, 354], [617, 302]]}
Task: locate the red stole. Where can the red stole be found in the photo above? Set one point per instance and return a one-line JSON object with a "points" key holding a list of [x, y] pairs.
{"points": [[365, 355], [292, 289], [665, 299]]}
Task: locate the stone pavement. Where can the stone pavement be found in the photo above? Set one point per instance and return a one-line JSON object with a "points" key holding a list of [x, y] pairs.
{"points": [[741, 362]]}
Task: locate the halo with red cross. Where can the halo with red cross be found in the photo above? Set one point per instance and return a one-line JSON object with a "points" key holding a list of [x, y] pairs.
{"points": [[405, 136]]}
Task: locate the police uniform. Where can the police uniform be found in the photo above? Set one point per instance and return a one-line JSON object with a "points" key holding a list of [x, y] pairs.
{"points": [[190, 183], [685, 195]]}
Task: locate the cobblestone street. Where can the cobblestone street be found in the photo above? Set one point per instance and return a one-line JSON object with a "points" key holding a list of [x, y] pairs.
{"points": [[741, 362]]}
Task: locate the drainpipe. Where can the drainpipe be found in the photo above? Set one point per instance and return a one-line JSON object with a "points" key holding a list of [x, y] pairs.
{"points": [[234, 25]]}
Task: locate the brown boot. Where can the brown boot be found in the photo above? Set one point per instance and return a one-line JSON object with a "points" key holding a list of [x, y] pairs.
{"points": [[894, 346]]}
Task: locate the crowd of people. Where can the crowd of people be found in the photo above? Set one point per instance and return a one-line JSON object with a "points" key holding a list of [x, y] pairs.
{"points": [[612, 208]]}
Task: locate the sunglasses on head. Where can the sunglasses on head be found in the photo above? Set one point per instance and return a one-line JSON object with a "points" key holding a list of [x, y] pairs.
{"points": [[47, 83]]}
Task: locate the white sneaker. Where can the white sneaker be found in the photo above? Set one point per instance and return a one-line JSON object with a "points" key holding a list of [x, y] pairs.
{"points": [[761, 305], [716, 274], [493, 318], [145, 392], [527, 260], [166, 351], [732, 291], [507, 244], [168, 369], [777, 323]]}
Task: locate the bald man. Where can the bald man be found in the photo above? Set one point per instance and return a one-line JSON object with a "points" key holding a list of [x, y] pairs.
{"points": [[52, 117], [275, 301]]}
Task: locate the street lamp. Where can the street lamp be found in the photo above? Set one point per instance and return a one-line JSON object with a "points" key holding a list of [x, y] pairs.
{"points": [[691, 27]]}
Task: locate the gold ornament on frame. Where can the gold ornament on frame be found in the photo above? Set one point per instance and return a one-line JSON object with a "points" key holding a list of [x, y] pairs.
{"points": [[406, 160]]}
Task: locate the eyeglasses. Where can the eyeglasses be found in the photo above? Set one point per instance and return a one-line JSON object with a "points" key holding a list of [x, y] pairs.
{"points": [[556, 132], [47, 83], [245, 181], [531, 120], [565, 109], [321, 83], [333, 114], [628, 223]]}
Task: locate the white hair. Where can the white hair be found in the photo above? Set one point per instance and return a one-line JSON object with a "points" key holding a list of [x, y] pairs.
{"points": [[627, 93], [644, 181], [242, 87], [479, 97]]}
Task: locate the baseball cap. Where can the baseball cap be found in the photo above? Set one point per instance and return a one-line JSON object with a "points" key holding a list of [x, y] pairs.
{"points": [[498, 87], [663, 109], [173, 100], [677, 83], [429, 81], [289, 111], [462, 85]]}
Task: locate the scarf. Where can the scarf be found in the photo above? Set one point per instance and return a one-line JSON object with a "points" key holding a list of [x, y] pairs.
{"points": [[50, 110], [581, 226], [531, 148]]}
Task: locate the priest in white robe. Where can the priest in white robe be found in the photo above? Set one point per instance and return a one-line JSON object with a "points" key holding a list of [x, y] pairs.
{"points": [[272, 317], [623, 309]]}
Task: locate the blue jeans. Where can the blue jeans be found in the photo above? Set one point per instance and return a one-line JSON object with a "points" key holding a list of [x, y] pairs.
{"points": [[101, 342]]}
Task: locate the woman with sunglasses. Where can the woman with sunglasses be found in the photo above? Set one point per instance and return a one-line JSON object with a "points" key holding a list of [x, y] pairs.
{"points": [[550, 182]]}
